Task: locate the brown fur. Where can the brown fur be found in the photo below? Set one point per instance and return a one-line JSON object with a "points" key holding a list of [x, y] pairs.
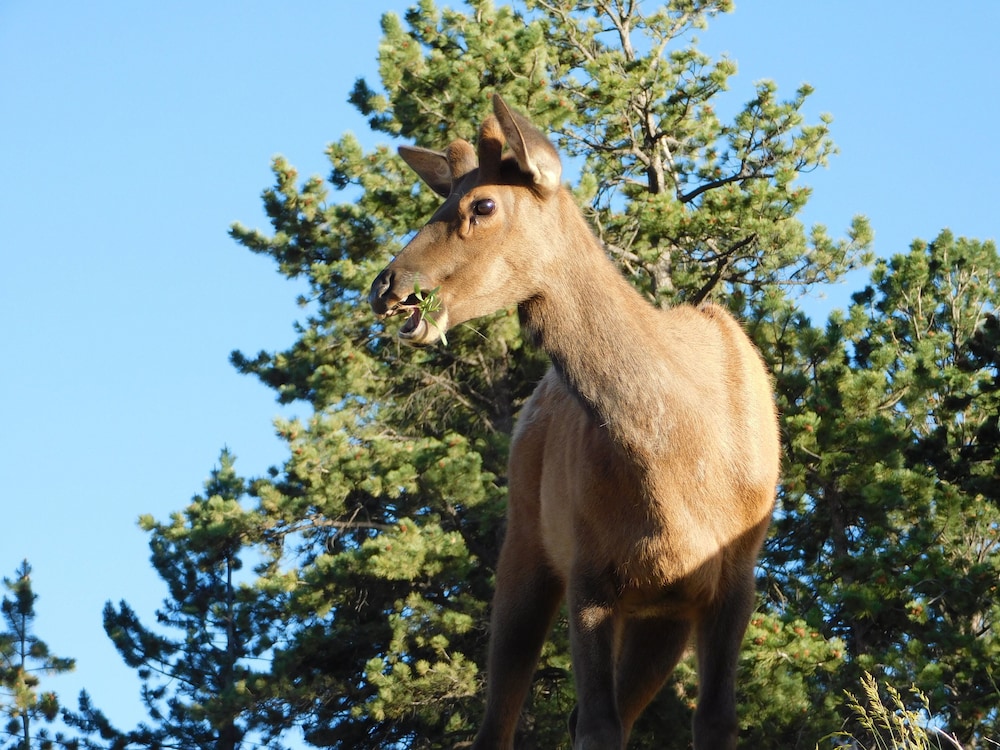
{"points": [[643, 468]]}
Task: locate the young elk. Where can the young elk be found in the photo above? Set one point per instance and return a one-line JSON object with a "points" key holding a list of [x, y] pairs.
{"points": [[642, 469]]}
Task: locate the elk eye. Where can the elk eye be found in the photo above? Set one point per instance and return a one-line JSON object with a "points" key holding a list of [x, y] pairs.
{"points": [[484, 207]]}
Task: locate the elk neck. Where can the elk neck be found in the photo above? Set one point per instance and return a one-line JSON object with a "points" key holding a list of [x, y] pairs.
{"points": [[611, 347]]}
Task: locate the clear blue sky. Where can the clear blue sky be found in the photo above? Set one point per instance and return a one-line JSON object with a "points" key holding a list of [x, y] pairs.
{"points": [[133, 134]]}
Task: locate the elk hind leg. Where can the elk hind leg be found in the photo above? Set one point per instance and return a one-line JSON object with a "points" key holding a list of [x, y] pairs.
{"points": [[649, 649], [719, 639]]}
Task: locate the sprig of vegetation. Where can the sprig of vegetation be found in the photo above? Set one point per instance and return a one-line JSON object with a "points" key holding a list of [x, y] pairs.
{"points": [[429, 302]]}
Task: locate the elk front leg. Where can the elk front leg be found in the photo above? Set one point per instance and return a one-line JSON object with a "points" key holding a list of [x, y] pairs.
{"points": [[595, 723], [524, 605]]}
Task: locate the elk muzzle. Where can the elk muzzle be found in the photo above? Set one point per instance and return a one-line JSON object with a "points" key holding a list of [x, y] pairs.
{"points": [[394, 292], [380, 296]]}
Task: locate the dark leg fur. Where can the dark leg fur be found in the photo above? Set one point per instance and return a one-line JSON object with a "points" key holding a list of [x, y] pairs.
{"points": [[524, 604], [720, 635], [650, 649], [597, 725]]}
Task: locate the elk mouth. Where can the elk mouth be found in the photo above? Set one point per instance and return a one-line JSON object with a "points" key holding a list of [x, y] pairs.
{"points": [[419, 329], [414, 324]]}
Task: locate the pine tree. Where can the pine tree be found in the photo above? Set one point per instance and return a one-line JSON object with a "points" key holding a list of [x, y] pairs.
{"points": [[201, 665], [392, 499], [933, 305], [23, 657], [888, 536]]}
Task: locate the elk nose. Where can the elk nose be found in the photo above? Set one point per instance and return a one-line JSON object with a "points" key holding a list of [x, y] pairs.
{"points": [[379, 291]]}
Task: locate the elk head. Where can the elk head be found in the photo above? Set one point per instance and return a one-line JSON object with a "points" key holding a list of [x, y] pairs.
{"points": [[485, 248]]}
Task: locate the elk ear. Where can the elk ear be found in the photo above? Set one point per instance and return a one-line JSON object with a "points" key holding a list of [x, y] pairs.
{"points": [[431, 166], [461, 159], [491, 140], [534, 153]]}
